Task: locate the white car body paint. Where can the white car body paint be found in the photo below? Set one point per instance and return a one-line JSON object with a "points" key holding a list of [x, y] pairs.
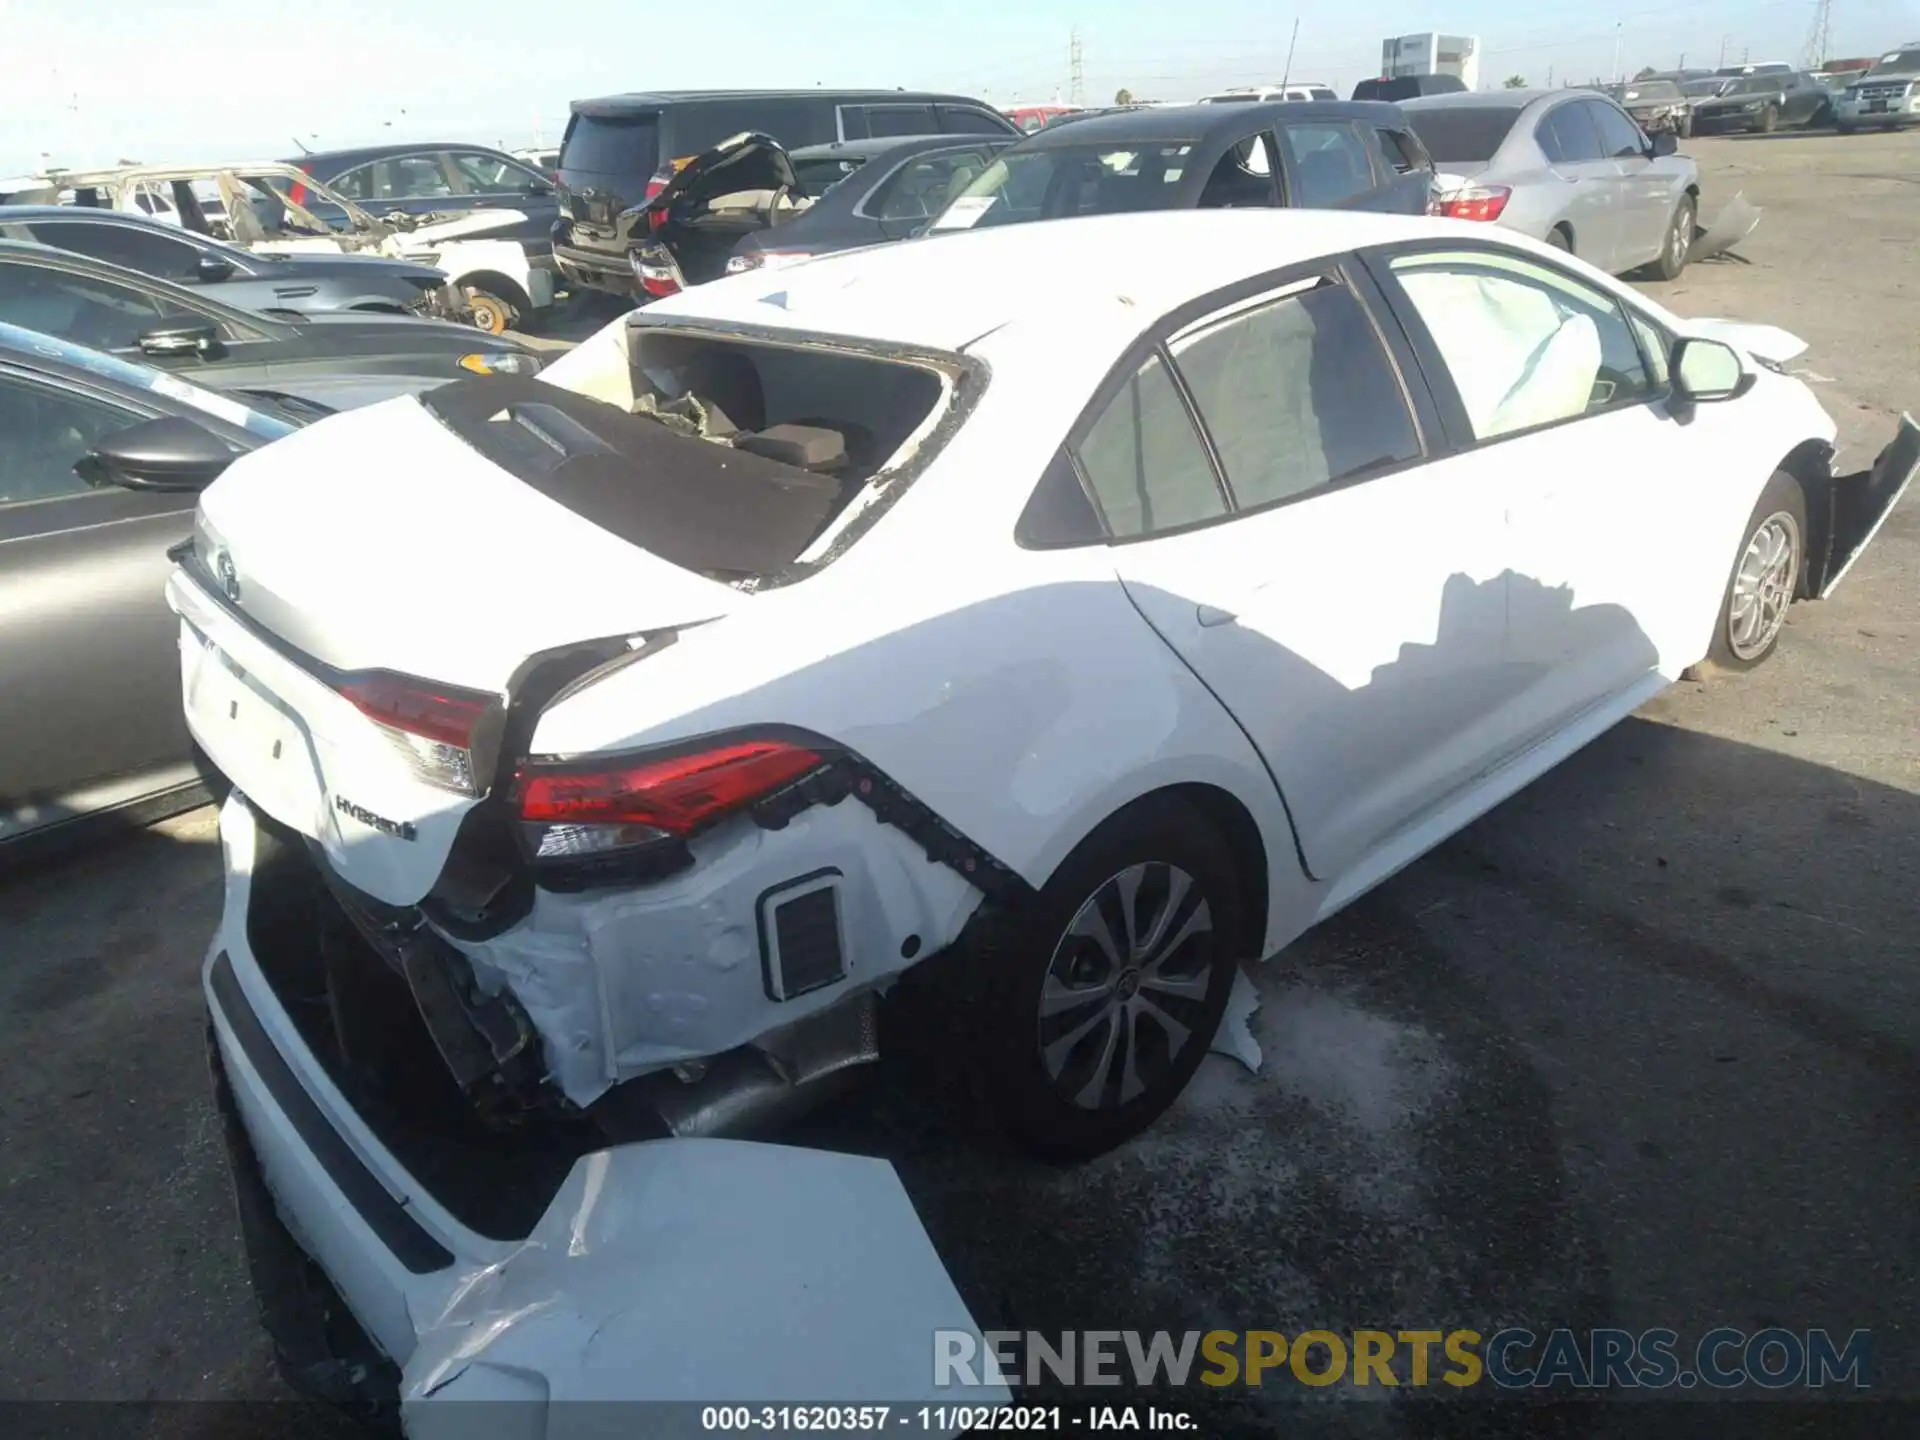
{"points": [[459, 248], [1024, 696], [657, 1273]]}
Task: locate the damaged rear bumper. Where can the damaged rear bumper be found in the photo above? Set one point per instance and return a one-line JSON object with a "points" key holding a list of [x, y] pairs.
{"points": [[678, 1272], [607, 270]]}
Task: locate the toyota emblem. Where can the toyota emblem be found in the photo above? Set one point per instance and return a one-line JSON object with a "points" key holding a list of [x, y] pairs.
{"points": [[229, 577]]}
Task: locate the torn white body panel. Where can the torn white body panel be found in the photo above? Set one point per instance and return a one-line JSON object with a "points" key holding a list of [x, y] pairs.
{"points": [[661, 1272], [622, 982]]}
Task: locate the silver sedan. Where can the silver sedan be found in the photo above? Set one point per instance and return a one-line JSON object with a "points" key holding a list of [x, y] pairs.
{"points": [[1569, 167]]}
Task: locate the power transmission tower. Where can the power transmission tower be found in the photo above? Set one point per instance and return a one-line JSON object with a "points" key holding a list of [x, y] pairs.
{"points": [[1820, 35], [1076, 72]]}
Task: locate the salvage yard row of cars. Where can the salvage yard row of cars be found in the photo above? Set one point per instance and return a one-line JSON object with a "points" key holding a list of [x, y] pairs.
{"points": [[1040, 577]]}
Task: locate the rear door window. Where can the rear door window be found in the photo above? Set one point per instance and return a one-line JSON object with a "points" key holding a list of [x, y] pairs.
{"points": [[694, 129], [1328, 161], [1401, 152], [966, 120], [886, 120], [1296, 392]]}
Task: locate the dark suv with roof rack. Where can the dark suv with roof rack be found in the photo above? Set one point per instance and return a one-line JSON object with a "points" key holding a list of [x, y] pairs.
{"points": [[621, 150]]}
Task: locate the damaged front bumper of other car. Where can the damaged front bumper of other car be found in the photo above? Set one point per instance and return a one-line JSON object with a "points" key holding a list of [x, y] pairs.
{"points": [[531, 1265]]}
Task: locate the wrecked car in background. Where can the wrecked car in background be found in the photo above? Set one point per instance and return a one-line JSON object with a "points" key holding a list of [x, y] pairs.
{"points": [[274, 284], [493, 283], [917, 628], [1567, 167]]}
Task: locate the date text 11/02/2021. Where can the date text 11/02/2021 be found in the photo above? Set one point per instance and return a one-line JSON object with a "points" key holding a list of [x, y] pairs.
{"points": [[942, 1419]]}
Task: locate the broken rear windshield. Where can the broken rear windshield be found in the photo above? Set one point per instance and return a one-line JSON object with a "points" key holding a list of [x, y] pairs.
{"points": [[1463, 134], [723, 456]]}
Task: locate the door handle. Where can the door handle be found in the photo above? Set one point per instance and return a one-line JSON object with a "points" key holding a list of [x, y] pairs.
{"points": [[1212, 615]]}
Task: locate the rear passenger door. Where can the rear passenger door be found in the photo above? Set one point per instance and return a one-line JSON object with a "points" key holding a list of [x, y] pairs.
{"points": [[1327, 166], [495, 182], [1590, 203], [1264, 475], [1645, 202]]}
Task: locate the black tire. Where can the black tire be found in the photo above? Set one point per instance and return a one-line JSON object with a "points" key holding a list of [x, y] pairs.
{"points": [[1769, 118], [1782, 501], [1559, 240], [1022, 948], [488, 312], [1675, 249]]}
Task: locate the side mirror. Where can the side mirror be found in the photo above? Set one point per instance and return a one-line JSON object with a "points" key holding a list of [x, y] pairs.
{"points": [[180, 339], [212, 269], [169, 454], [1706, 370], [1665, 143]]}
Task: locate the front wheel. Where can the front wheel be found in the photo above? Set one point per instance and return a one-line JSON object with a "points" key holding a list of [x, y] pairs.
{"points": [[1678, 242], [1769, 118], [1766, 578], [488, 311], [1101, 995]]}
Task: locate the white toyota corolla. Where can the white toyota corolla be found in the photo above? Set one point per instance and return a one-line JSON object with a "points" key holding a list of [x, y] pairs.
{"points": [[1092, 605]]}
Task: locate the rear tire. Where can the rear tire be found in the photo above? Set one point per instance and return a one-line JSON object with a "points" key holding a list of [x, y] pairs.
{"points": [[1560, 240], [1769, 118], [1099, 997], [1765, 580]]}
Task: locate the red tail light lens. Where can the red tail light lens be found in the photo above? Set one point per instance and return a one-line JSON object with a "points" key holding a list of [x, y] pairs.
{"points": [[1471, 202], [659, 182], [441, 730], [673, 796]]}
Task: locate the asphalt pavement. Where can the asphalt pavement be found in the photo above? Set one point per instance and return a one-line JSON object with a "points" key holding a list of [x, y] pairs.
{"points": [[1641, 1047]]}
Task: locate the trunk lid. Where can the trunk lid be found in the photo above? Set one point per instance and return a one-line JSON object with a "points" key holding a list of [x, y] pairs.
{"points": [[385, 543], [741, 163]]}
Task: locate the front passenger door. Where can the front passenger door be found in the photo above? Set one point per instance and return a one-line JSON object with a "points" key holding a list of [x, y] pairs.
{"points": [[1261, 474], [1590, 205], [86, 642]]}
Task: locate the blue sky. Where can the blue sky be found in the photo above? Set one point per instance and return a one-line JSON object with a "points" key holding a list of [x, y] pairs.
{"points": [[92, 81]]}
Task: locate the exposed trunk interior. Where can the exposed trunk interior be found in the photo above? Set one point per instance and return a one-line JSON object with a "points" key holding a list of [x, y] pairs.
{"points": [[723, 456]]}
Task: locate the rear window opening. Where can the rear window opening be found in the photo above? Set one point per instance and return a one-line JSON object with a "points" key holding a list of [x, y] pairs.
{"points": [[737, 459]]}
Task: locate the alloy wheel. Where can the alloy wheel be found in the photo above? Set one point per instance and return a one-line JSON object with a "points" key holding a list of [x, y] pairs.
{"points": [[1126, 988], [1763, 586]]}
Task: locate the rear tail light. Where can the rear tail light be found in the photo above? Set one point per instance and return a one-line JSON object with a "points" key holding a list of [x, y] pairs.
{"points": [[446, 734], [657, 271], [1471, 202], [589, 810], [661, 179]]}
